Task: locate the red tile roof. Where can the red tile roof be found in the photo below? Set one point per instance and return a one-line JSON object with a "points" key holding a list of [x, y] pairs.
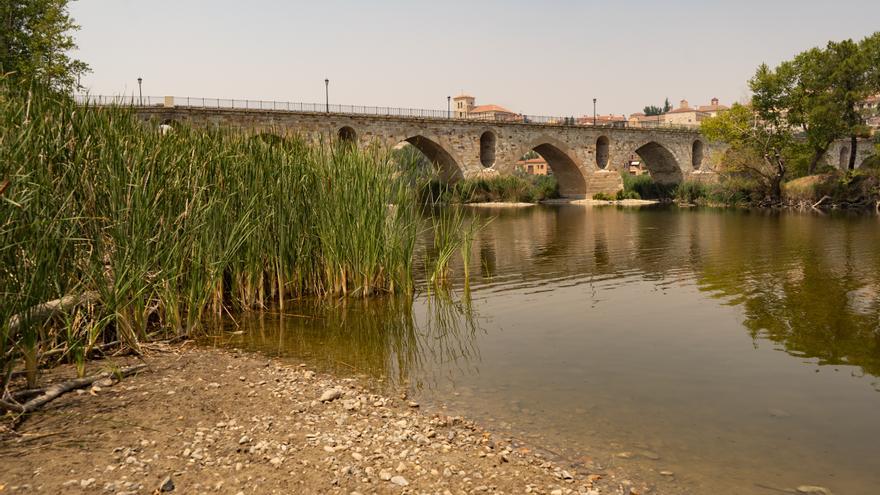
{"points": [[489, 108]]}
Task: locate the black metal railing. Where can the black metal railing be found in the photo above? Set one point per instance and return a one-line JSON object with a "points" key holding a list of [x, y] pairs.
{"points": [[287, 106]]}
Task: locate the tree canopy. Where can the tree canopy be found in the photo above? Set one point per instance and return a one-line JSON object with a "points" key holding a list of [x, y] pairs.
{"points": [[800, 107], [651, 110], [35, 41]]}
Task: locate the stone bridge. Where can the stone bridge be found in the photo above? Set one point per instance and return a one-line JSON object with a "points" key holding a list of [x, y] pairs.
{"points": [[584, 159]]}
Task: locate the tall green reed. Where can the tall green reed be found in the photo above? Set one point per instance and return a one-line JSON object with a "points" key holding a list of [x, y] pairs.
{"points": [[168, 231]]}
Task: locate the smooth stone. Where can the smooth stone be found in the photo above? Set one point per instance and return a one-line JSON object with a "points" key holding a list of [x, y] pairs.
{"points": [[399, 481], [330, 395], [813, 490], [167, 485]]}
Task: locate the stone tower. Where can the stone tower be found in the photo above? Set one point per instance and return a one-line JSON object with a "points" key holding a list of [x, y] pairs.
{"points": [[462, 105]]}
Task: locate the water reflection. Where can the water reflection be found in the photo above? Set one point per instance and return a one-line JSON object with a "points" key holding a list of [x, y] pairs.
{"points": [[609, 329], [392, 339]]}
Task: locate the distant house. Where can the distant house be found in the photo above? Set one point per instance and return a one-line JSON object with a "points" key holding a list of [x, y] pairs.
{"points": [[534, 166], [603, 120], [642, 120], [714, 109], [465, 108], [492, 112], [685, 115]]}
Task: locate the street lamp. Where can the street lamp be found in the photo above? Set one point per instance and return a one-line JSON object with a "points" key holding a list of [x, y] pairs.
{"points": [[594, 112], [448, 107], [140, 92], [327, 94]]}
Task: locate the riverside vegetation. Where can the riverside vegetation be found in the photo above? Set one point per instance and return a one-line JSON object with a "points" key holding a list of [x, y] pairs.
{"points": [[832, 188], [113, 234]]}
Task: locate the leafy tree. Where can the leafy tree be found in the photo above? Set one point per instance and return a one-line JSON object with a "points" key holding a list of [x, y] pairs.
{"points": [[812, 107], [848, 76], [667, 107], [652, 110], [35, 38], [871, 49], [758, 132]]}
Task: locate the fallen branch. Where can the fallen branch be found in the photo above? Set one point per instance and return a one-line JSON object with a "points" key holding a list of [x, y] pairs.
{"points": [[52, 392], [822, 200], [46, 310]]}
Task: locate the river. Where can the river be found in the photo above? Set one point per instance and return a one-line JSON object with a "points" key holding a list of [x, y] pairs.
{"points": [[738, 350]]}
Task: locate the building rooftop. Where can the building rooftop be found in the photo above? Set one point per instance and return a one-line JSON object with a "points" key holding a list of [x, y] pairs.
{"points": [[489, 108], [687, 110], [713, 108]]}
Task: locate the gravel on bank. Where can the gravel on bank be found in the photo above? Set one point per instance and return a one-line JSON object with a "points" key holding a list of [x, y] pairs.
{"points": [[205, 420]]}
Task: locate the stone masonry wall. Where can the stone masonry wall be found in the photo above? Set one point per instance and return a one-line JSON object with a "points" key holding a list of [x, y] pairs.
{"points": [[455, 144]]}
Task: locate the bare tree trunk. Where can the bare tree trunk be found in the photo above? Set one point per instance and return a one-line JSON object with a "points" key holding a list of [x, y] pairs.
{"points": [[853, 143]]}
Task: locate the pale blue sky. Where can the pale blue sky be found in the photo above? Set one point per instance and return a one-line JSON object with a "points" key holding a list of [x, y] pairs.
{"points": [[546, 57]]}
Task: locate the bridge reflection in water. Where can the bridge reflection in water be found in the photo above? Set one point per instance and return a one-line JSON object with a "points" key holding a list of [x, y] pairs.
{"points": [[742, 348]]}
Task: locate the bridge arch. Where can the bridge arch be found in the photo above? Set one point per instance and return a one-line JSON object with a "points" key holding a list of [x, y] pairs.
{"points": [[487, 148], [569, 175], [602, 151], [447, 165], [347, 135], [697, 154], [660, 162]]}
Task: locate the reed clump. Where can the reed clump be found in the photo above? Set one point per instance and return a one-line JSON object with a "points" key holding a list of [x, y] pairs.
{"points": [[111, 230]]}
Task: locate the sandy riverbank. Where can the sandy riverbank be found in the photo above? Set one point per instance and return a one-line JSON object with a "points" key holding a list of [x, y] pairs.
{"points": [[595, 202], [218, 421], [498, 204]]}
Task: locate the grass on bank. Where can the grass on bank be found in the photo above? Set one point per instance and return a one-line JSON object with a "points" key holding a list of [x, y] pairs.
{"points": [[111, 232], [500, 189]]}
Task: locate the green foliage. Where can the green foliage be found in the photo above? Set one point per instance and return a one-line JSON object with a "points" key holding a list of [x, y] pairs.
{"points": [[798, 109], [624, 194], [691, 192], [759, 138], [502, 189], [652, 110], [35, 40], [603, 196], [645, 187], [850, 187], [160, 232]]}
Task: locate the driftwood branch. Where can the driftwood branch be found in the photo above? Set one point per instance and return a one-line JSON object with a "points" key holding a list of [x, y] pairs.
{"points": [[52, 392], [817, 203], [46, 310]]}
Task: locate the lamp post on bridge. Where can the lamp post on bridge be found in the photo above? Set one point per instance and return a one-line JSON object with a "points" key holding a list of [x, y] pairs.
{"points": [[140, 92], [594, 112], [327, 95], [448, 107]]}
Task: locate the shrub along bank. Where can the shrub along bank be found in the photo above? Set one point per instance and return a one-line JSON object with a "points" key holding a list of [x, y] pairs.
{"points": [[501, 189], [858, 188]]}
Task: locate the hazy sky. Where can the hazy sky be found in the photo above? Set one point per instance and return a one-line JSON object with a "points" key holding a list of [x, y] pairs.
{"points": [[549, 57]]}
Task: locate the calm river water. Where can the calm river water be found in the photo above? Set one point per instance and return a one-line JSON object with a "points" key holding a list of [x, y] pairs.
{"points": [[738, 349]]}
